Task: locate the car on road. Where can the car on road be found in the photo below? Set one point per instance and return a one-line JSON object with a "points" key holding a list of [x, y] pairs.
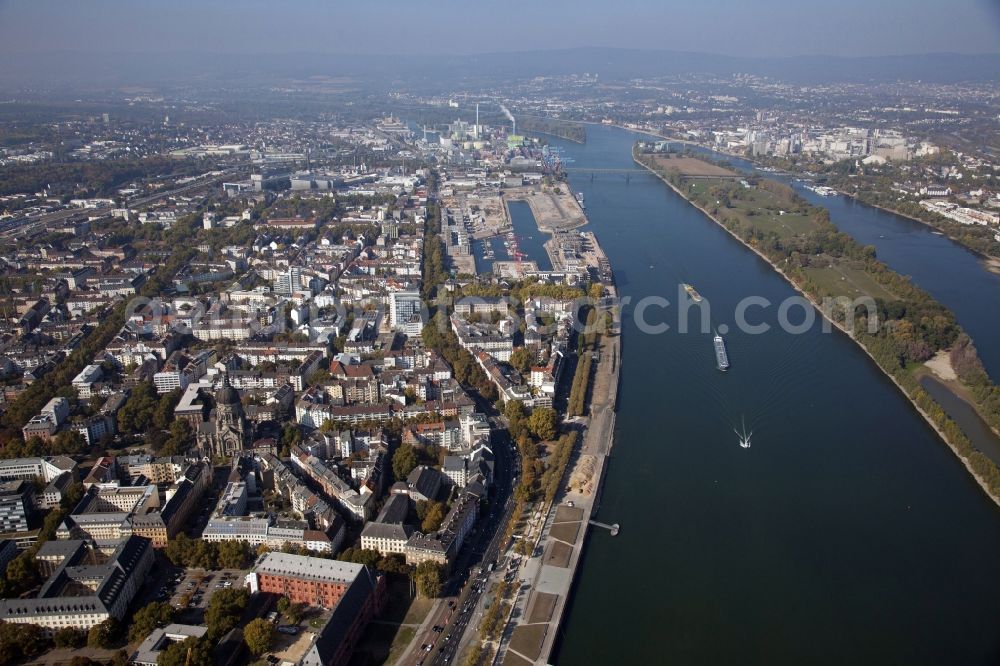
{"points": [[289, 629]]}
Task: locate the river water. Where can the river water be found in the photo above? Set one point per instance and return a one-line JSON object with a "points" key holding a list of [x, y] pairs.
{"points": [[847, 533], [949, 272]]}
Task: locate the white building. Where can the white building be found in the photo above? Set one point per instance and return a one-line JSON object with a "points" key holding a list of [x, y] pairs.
{"points": [[402, 306], [84, 381]]}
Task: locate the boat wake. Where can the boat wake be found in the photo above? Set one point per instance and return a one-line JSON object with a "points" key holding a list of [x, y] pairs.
{"points": [[743, 435]]}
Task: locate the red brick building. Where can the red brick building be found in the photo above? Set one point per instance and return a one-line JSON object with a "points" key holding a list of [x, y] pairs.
{"points": [[354, 593]]}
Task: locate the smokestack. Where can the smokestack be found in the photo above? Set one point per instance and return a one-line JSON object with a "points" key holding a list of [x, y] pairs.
{"points": [[477, 120]]}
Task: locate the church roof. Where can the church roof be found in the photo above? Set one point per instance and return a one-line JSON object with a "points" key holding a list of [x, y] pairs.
{"points": [[227, 395]]}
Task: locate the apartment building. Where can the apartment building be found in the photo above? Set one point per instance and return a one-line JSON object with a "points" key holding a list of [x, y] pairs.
{"points": [[80, 595]]}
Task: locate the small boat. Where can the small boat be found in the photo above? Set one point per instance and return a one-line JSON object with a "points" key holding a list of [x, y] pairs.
{"points": [[721, 357], [692, 292]]}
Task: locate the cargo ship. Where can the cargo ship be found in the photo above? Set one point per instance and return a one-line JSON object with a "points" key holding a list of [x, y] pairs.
{"points": [[692, 292], [721, 357]]}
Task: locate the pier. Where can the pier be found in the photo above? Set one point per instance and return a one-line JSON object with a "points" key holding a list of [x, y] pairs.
{"points": [[613, 529]]}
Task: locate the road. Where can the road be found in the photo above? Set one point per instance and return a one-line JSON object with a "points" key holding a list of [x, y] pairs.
{"points": [[25, 226], [455, 610]]}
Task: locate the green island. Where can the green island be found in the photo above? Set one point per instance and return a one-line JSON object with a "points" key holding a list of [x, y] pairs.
{"points": [[823, 263], [564, 129], [886, 186]]}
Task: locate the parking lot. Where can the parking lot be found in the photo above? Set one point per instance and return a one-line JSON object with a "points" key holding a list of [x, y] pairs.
{"points": [[192, 589]]}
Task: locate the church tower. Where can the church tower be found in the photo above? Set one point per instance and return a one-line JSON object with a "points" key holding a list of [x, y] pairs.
{"points": [[230, 424]]}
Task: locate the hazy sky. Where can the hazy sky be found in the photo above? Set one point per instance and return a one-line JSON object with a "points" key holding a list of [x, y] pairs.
{"points": [[735, 27]]}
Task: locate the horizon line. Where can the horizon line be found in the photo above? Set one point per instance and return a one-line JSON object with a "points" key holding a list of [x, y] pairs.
{"points": [[624, 49]]}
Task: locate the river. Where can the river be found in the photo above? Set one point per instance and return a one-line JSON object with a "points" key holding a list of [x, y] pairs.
{"points": [[847, 533], [949, 272]]}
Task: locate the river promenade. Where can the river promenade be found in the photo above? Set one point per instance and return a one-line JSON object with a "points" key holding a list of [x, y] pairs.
{"points": [[546, 578]]}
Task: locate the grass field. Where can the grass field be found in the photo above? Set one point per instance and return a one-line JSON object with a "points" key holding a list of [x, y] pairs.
{"points": [[771, 212], [691, 166], [843, 280], [385, 640]]}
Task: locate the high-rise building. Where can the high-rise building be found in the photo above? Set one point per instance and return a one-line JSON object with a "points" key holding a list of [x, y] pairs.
{"points": [[402, 307], [289, 282]]}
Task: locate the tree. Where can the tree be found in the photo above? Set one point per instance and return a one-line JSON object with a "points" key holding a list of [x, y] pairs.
{"points": [[294, 613], [68, 442], [403, 461], [189, 652], [136, 415], [522, 358], [364, 556], [178, 550], [163, 414], [104, 634], [19, 642], [283, 604], [542, 423], [224, 611], [428, 577], [22, 575], [149, 617], [119, 658], [258, 635], [233, 555], [70, 637], [433, 518], [80, 660], [205, 555], [290, 435], [394, 563]]}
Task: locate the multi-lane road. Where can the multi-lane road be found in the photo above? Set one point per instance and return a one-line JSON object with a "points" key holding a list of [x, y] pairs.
{"points": [[453, 613]]}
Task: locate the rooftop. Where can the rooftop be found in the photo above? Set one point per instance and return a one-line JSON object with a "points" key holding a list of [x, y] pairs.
{"points": [[308, 568]]}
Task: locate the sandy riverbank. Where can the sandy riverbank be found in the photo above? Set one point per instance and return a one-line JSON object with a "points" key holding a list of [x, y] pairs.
{"points": [[941, 366], [981, 481]]}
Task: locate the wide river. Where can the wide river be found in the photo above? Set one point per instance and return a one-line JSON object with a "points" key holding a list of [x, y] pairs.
{"points": [[847, 533]]}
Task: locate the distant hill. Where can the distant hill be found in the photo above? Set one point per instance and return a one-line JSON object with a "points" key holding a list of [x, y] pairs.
{"points": [[85, 70]]}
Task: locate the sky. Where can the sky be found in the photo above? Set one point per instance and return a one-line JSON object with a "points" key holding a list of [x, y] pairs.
{"points": [[761, 28]]}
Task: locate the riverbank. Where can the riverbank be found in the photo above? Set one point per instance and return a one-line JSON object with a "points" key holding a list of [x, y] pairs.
{"points": [[583, 496], [980, 480], [990, 263], [568, 130]]}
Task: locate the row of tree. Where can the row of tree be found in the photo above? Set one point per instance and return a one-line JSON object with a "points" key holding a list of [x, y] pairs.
{"points": [[186, 552]]}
